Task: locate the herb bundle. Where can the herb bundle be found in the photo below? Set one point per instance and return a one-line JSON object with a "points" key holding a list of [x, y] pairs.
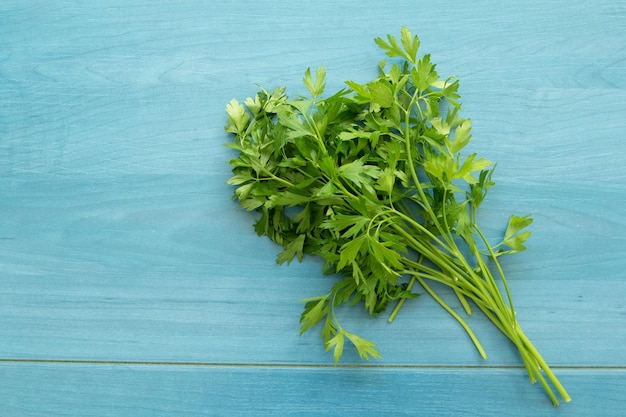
{"points": [[373, 180]]}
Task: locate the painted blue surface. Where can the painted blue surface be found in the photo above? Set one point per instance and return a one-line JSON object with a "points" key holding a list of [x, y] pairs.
{"points": [[130, 283], [152, 390]]}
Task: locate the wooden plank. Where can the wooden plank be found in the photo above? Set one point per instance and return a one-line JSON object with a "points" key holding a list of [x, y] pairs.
{"points": [[30, 390], [140, 269]]}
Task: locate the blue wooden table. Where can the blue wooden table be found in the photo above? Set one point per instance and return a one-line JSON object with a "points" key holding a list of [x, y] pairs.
{"points": [[130, 283]]}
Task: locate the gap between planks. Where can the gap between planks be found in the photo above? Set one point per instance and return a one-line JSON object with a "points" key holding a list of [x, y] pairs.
{"points": [[289, 365]]}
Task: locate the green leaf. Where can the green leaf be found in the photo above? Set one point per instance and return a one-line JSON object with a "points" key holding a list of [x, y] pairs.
{"points": [[514, 238], [462, 136], [393, 49], [470, 165], [329, 329], [302, 184], [410, 43], [240, 178], [424, 75], [442, 168], [450, 91], [295, 162], [238, 117], [253, 203], [352, 171], [254, 104], [359, 173], [349, 251], [316, 88], [308, 81], [361, 91], [366, 348], [375, 138], [381, 93], [386, 181], [463, 223], [343, 290], [478, 191], [288, 199], [516, 223], [348, 225], [385, 255], [243, 191], [261, 226], [315, 310], [320, 76], [296, 126], [328, 190], [441, 126], [303, 219], [292, 249], [336, 343], [327, 165], [357, 274]]}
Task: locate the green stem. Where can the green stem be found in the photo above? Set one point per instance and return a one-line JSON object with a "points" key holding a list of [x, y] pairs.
{"points": [[455, 315], [401, 302], [532, 359], [432, 252], [506, 323], [543, 365], [498, 266], [463, 301], [420, 228], [410, 162], [502, 310]]}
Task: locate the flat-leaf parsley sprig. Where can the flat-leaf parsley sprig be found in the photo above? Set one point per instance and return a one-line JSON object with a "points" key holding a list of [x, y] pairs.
{"points": [[375, 181]]}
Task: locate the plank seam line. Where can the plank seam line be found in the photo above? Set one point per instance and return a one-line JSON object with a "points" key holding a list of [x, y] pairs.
{"points": [[292, 365]]}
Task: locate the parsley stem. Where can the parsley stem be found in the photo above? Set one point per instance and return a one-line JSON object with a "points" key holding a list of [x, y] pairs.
{"points": [[528, 352], [444, 215], [498, 266], [411, 162], [434, 254], [465, 287], [455, 315], [463, 301], [542, 363], [422, 229], [401, 301]]}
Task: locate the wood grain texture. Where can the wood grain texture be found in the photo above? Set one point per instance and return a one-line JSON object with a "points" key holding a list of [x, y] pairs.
{"points": [[151, 390], [184, 267], [119, 244]]}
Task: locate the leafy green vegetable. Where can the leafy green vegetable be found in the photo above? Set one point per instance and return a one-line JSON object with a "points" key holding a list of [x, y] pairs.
{"points": [[373, 179]]}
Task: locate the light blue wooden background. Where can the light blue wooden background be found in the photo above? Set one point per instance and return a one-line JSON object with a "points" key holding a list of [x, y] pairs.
{"points": [[130, 284]]}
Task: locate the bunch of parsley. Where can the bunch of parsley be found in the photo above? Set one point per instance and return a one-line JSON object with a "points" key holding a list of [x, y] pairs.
{"points": [[372, 179]]}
